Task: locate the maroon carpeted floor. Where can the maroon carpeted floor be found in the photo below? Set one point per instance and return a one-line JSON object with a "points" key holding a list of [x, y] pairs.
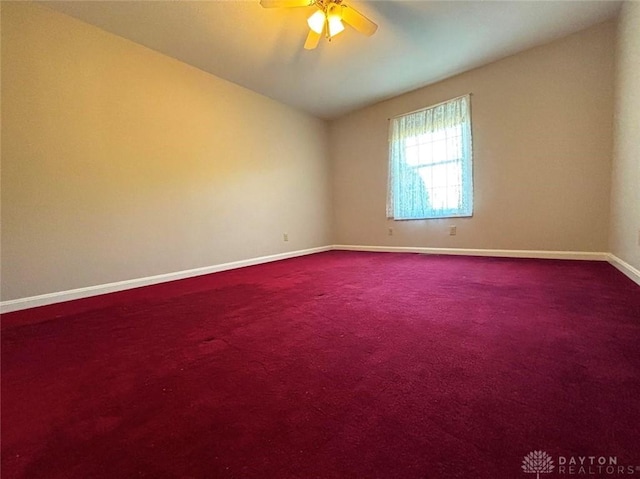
{"points": [[335, 365]]}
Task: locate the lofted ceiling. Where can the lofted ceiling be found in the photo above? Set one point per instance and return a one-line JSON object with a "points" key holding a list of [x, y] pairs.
{"points": [[417, 42]]}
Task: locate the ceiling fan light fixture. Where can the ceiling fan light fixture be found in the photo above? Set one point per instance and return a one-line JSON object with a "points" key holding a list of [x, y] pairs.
{"points": [[328, 19], [316, 21], [335, 24]]}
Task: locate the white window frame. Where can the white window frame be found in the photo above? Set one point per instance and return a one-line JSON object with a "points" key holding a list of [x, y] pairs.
{"points": [[431, 162]]}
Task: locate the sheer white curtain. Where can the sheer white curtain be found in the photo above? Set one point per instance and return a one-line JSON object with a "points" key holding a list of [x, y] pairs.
{"points": [[430, 162]]}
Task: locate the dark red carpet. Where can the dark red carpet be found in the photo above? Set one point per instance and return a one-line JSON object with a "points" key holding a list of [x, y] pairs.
{"points": [[335, 365]]}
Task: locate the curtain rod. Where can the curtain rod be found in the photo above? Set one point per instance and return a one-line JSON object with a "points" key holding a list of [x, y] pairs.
{"points": [[428, 107]]}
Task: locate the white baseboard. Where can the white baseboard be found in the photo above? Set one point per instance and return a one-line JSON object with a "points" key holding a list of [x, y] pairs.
{"points": [[505, 253], [59, 297], [625, 268]]}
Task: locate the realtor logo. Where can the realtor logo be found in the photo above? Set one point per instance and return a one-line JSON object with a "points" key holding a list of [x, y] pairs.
{"points": [[537, 462]]}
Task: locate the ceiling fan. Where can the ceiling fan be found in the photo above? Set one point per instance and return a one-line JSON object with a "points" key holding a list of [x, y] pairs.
{"points": [[327, 19]]}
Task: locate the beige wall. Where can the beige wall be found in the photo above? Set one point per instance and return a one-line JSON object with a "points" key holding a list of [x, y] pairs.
{"points": [[625, 187], [542, 133], [121, 163]]}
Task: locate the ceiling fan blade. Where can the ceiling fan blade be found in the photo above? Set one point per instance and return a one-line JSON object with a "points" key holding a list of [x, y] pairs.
{"points": [[285, 3], [312, 40], [358, 21]]}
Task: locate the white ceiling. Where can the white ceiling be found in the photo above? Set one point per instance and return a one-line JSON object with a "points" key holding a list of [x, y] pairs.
{"points": [[417, 42]]}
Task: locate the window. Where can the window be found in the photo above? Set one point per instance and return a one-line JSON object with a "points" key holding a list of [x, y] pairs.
{"points": [[430, 157]]}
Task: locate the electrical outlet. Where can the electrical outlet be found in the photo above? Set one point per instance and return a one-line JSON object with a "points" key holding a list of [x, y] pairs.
{"points": [[285, 236], [390, 231], [452, 230]]}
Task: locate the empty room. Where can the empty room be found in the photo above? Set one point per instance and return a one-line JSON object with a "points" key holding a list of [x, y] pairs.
{"points": [[320, 239]]}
